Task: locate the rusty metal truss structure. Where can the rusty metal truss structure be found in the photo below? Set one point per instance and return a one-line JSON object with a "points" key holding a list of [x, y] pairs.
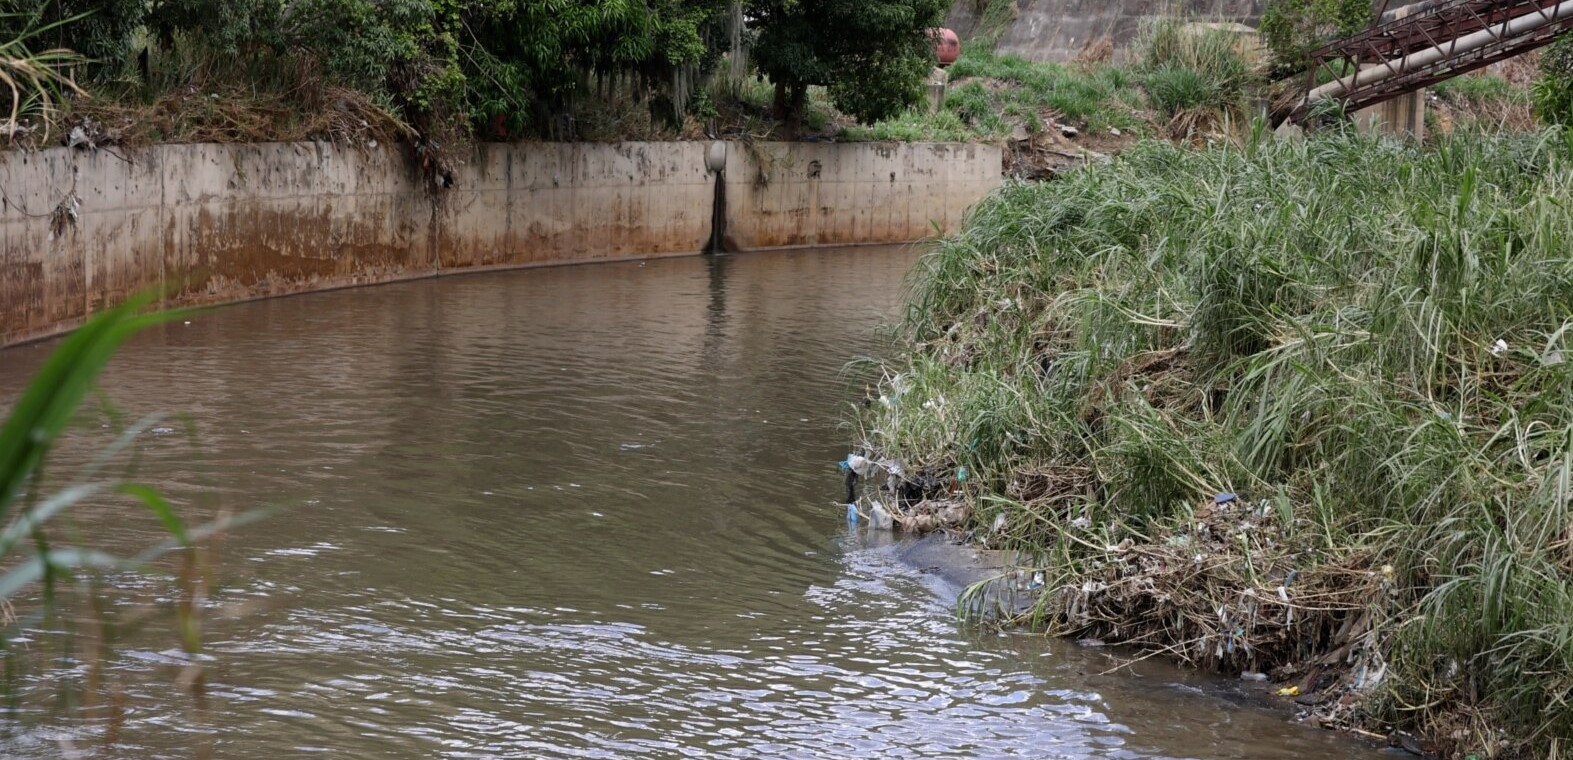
{"points": [[1439, 40]]}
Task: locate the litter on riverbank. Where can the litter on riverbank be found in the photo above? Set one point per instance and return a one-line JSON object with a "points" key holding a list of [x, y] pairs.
{"points": [[1292, 408]]}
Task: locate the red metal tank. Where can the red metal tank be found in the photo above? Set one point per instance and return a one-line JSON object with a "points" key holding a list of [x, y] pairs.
{"points": [[947, 46]]}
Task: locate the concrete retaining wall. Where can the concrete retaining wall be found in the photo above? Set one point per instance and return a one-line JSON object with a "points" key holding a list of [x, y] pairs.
{"points": [[221, 223], [1057, 30], [797, 194]]}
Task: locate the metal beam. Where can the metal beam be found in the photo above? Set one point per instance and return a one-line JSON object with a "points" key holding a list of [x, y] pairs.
{"points": [[1445, 39]]}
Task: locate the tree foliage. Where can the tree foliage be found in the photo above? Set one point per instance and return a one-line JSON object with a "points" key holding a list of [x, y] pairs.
{"points": [[1552, 92], [497, 68], [871, 54], [1291, 29], [527, 57]]}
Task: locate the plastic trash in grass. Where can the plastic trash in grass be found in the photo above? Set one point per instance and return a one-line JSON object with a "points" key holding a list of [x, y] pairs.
{"points": [[879, 518]]}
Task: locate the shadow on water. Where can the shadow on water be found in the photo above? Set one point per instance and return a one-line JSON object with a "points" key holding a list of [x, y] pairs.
{"points": [[582, 512]]}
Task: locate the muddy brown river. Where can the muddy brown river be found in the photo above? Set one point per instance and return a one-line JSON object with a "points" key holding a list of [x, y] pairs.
{"points": [[576, 512]]}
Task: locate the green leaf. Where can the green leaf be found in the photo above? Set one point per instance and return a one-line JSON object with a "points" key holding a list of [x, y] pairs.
{"points": [[160, 507], [50, 400]]}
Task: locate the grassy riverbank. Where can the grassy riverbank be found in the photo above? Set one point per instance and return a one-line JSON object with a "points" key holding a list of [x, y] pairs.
{"points": [[1175, 81], [1366, 342]]}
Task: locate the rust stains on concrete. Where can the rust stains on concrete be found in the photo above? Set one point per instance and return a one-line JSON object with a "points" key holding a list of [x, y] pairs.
{"points": [[214, 224]]}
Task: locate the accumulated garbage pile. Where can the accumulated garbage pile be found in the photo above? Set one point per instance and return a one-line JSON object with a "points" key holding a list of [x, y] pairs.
{"points": [[1227, 591], [893, 501]]}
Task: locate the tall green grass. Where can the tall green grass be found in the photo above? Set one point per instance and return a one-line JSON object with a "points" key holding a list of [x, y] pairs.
{"points": [[1487, 102], [991, 95], [34, 82], [1098, 97], [1193, 71], [1479, 90], [1371, 343], [1186, 78]]}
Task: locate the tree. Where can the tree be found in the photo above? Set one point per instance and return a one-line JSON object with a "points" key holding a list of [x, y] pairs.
{"points": [[452, 69], [871, 54], [525, 59], [1291, 29], [1552, 92]]}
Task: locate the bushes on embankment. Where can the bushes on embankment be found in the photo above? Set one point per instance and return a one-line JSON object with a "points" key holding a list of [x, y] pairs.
{"points": [[1296, 407], [1177, 79], [442, 72]]}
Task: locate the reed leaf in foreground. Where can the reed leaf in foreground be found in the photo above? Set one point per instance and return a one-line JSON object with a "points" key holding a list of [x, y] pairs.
{"points": [[34, 564], [46, 407], [37, 81]]}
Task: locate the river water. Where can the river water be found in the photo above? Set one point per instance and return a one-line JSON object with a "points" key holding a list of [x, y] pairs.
{"points": [[575, 512]]}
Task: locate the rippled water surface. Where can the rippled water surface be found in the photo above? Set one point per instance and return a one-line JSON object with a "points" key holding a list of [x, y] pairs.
{"points": [[578, 512]]}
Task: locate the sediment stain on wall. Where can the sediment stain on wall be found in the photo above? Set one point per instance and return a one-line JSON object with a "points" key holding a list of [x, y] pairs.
{"points": [[1057, 30], [221, 223], [796, 194]]}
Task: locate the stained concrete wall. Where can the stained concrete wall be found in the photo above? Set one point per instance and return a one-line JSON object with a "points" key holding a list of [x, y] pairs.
{"points": [[795, 194], [1057, 30], [222, 223]]}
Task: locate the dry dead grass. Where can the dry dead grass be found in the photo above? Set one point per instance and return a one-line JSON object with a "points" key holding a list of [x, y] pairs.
{"points": [[230, 114]]}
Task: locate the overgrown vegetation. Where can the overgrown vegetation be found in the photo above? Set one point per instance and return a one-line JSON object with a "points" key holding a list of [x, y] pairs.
{"points": [[1299, 407], [1478, 91], [442, 72], [34, 82], [1194, 78], [1552, 91], [1485, 102], [1184, 81], [1291, 29], [873, 55], [991, 95], [439, 73]]}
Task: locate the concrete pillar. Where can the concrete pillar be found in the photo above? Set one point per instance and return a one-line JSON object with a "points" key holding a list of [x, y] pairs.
{"points": [[1404, 115], [939, 80]]}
